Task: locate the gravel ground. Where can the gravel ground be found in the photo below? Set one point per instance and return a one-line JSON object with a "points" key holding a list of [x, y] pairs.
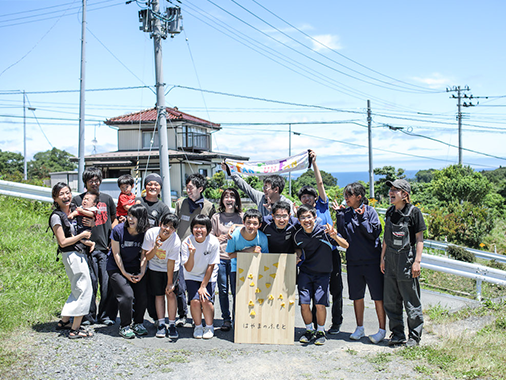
{"points": [[50, 355], [44, 353]]}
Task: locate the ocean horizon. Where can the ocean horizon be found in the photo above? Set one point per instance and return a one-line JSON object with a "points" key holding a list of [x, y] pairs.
{"points": [[344, 178]]}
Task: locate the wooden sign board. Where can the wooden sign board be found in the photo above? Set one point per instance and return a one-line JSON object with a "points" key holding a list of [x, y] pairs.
{"points": [[265, 298]]}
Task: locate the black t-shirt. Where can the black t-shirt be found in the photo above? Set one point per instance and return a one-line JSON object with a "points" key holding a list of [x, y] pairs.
{"points": [[156, 210], [280, 241], [317, 249], [416, 222], [105, 216], [130, 248]]}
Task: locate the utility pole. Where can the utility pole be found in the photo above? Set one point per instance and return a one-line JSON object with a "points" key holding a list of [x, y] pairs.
{"points": [[369, 137], [80, 167], [459, 113], [25, 171], [152, 22], [289, 154]]}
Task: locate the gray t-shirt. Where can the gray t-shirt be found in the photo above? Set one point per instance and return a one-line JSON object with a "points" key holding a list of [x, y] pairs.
{"points": [[258, 197], [56, 221]]}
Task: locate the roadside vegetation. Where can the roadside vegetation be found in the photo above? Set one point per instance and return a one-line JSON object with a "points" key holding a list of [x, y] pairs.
{"points": [[469, 353], [32, 284]]}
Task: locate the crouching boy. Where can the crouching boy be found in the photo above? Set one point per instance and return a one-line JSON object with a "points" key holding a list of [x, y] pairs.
{"points": [[315, 246], [162, 249], [200, 253]]}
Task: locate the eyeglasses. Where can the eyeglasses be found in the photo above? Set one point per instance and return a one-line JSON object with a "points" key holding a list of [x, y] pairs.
{"points": [[283, 216], [94, 182], [307, 217]]}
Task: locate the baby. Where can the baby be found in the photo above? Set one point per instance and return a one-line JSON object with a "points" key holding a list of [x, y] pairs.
{"points": [[87, 209]]}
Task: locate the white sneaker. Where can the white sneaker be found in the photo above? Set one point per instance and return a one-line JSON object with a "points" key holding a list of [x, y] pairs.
{"points": [[208, 333], [378, 337], [198, 332], [359, 333]]}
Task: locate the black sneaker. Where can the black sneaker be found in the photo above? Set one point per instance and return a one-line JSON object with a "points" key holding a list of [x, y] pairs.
{"points": [[181, 321], [396, 340], [334, 329], [173, 332], [320, 338], [161, 332], [308, 336], [226, 326], [412, 342]]}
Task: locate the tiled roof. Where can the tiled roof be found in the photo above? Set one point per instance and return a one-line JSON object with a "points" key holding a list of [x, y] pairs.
{"points": [[149, 116], [131, 156]]}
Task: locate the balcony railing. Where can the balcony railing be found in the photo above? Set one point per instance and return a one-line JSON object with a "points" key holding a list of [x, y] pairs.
{"points": [[194, 141]]}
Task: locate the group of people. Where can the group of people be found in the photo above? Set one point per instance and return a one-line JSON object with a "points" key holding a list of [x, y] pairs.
{"points": [[144, 257]]}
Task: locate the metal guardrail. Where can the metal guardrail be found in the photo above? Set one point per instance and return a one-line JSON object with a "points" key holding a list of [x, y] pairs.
{"points": [[22, 190], [440, 245], [477, 272]]}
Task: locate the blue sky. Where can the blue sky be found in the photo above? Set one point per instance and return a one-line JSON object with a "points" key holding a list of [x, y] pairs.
{"points": [[333, 55]]}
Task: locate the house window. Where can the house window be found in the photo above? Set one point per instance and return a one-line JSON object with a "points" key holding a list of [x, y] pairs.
{"points": [[203, 172], [146, 140]]}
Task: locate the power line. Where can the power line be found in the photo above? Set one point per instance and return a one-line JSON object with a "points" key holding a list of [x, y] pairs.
{"points": [[400, 88], [338, 53]]}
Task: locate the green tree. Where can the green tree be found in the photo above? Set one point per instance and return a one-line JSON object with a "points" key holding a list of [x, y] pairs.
{"points": [[308, 179], [465, 224], [11, 163], [54, 160], [390, 174], [425, 176], [457, 183]]}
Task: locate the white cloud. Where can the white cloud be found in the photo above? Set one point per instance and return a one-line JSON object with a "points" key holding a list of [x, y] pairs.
{"points": [[329, 40], [435, 81]]}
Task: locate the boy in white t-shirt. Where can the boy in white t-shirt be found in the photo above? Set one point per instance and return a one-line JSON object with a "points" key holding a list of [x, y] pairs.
{"points": [[200, 253], [162, 249]]}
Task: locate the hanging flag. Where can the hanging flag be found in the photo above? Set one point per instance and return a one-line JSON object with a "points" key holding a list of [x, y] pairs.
{"points": [[284, 165]]}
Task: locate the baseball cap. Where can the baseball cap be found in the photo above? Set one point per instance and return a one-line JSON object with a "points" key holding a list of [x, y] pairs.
{"points": [[400, 184]]}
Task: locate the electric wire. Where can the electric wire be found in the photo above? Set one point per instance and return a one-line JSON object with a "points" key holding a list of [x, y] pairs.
{"points": [[37, 43], [347, 90], [400, 88], [338, 53], [121, 63]]}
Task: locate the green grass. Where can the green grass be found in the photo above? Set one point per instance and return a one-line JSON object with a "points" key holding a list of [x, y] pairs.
{"points": [[470, 355], [33, 286]]}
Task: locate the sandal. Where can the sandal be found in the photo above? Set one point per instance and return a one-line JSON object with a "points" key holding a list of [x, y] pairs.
{"points": [[81, 333], [63, 325]]}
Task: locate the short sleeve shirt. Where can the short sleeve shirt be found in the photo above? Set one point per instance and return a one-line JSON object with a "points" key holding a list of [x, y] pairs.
{"points": [[169, 250], [130, 248], [155, 210], [207, 253], [238, 243], [416, 222]]}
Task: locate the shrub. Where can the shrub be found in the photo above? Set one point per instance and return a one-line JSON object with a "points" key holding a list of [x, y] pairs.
{"points": [[460, 253]]}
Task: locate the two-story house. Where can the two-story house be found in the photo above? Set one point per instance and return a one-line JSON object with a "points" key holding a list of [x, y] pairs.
{"points": [[189, 144]]}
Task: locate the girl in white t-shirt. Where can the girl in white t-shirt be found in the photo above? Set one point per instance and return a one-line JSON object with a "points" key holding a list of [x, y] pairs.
{"points": [[162, 249], [200, 253]]}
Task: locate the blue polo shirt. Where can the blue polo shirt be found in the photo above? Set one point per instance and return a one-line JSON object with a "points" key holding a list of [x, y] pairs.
{"points": [[280, 241], [317, 250], [322, 211], [238, 243]]}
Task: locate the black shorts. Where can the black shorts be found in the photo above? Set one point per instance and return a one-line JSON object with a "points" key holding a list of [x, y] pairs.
{"points": [[193, 288], [359, 276], [158, 281]]}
